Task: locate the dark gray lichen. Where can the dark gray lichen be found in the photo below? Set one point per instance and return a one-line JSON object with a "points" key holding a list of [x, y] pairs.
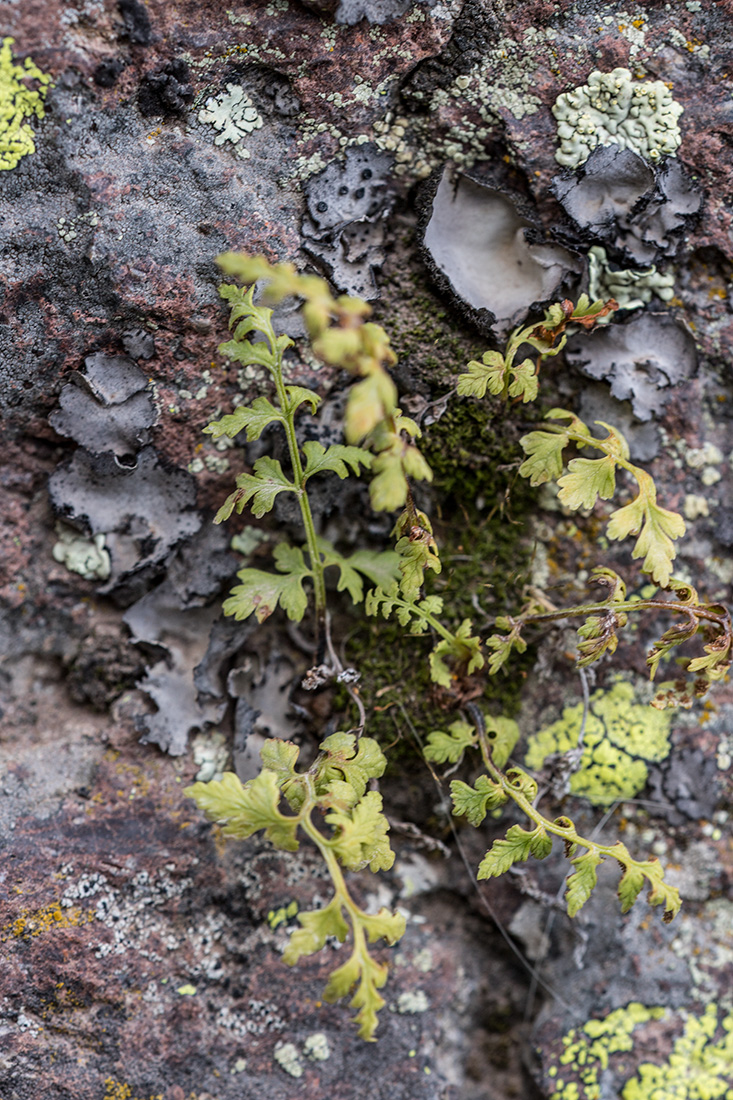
{"points": [[685, 787], [641, 359], [136, 22], [179, 620], [375, 11], [158, 620], [597, 404], [672, 210], [343, 227], [107, 408], [608, 187], [642, 211], [485, 253], [144, 510], [165, 92]]}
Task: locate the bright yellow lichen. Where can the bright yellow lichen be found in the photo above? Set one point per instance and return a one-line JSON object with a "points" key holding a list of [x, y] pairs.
{"points": [[621, 737], [18, 103], [699, 1067]]}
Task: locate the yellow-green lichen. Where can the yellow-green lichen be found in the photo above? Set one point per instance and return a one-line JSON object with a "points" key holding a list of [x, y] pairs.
{"points": [[19, 102], [276, 917], [621, 737], [699, 1067], [586, 1050]]}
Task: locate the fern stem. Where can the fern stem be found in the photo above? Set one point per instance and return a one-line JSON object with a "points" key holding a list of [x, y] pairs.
{"points": [[319, 581], [339, 882], [568, 832], [628, 605]]}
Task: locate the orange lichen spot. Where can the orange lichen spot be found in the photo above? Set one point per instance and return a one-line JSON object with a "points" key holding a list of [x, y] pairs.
{"points": [[120, 1090], [622, 26], [34, 922], [638, 23]]}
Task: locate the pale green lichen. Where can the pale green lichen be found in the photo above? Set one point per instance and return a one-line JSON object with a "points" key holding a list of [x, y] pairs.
{"points": [[631, 289], [233, 115], [287, 1057], [69, 228], [699, 1067], [18, 104], [81, 555], [621, 738], [612, 109], [412, 1003], [211, 753], [316, 1047]]}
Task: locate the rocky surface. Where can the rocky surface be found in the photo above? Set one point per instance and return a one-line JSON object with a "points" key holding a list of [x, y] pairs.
{"points": [[141, 952]]}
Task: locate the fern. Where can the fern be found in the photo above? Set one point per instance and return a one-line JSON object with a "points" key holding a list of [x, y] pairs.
{"points": [[331, 803], [334, 789]]}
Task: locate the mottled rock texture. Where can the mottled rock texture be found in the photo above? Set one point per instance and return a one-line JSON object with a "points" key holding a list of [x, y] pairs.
{"points": [[141, 954]]}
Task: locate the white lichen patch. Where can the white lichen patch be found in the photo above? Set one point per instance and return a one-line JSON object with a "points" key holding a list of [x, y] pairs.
{"points": [[410, 1004], [631, 289], [503, 81], [129, 914], [612, 109], [233, 114], [81, 555], [287, 1057], [424, 961], [316, 1047], [710, 476], [707, 455], [211, 753], [695, 506]]}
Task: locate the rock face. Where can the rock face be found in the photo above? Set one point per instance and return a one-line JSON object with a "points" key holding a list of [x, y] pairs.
{"points": [[458, 163]]}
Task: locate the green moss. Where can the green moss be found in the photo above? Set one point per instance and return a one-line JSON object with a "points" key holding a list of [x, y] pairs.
{"points": [[700, 1066], [621, 737], [18, 103], [484, 555], [477, 505]]}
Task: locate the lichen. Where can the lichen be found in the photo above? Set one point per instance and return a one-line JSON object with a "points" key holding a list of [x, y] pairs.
{"points": [[697, 1069], [316, 1047], [287, 1057], [211, 753], [610, 109], [120, 1090], [69, 228], [81, 555], [409, 1004], [631, 289], [18, 104], [282, 915], [36, 922], [699, 1066], [234, 115], [621, 738]]}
